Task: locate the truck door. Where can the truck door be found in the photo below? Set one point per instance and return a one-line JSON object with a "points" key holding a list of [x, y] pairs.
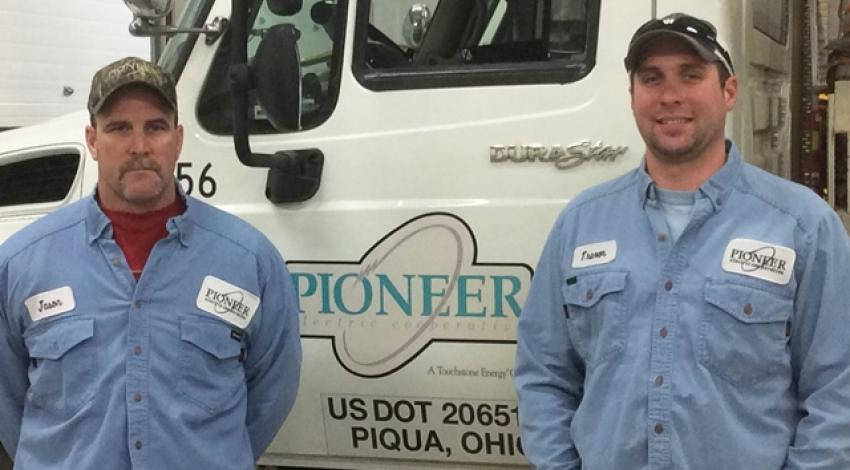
{"points": [[452, 133]]}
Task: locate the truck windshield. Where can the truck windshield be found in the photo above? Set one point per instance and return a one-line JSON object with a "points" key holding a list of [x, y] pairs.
{"points": [[177, 49]]}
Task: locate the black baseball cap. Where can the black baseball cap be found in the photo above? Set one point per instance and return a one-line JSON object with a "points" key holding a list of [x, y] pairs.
{"points": [[701, 34]]}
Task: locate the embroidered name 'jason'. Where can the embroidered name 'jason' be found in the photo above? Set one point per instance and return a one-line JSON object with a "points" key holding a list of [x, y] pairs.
{"points": [[50, 303]]}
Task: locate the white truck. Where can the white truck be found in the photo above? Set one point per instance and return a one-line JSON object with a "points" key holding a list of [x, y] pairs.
{"points": [[408, 158]]}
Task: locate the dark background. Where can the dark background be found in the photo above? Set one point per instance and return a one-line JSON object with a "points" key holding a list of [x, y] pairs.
{"points": [[5, 463]]}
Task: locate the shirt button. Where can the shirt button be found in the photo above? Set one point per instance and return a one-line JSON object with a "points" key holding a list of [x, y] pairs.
{"points": [[663, 332], [137, 397], [138, 445], [589, 295], [659, 381], [116, 261], [668, 286], [138, 304], [748, 309], [137, 350], [662, 237], [659, 428]]}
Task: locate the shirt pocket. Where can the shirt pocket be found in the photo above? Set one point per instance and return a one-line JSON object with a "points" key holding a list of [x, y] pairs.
{"points": [[743, 335], [212, 375], [595, 311], [63, 357]]}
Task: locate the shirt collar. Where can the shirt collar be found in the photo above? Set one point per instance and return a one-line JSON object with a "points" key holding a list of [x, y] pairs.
{"points": [[99, 226], [716, 189]]}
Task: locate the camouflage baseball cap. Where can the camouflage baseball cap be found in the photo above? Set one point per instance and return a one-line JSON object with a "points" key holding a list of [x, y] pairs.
{"points": [[130, 70]]}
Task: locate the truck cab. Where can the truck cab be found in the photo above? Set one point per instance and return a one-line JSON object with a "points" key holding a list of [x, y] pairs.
{"points": [[408, 159]]}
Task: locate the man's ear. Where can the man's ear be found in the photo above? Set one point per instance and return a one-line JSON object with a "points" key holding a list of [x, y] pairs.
{"points": [[91, 138], [179, 139], [730, 92]]}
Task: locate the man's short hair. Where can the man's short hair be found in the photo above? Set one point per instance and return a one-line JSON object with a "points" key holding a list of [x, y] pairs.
{"points": [[130, 71], [700, 34]]}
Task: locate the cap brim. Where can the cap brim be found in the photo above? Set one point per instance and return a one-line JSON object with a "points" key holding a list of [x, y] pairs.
{"points": [[133, 81], [636, 49]]}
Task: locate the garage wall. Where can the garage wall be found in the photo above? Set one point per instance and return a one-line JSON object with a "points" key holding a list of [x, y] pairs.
{"points": [[48, 45]]}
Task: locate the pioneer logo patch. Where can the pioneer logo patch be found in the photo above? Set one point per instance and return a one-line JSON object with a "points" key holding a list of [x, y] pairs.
{"points": [[50, 303], [773, 263], [595, 253], [232, 304]]}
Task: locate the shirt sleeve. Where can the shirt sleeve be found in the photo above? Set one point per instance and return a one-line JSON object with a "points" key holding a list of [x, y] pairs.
{"points": [[14, 380], [549, 373], [273, 363], [820, 353]]}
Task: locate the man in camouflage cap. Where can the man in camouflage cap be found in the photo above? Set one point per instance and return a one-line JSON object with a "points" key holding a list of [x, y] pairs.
{"points": [[165, 333], [132, 86]]}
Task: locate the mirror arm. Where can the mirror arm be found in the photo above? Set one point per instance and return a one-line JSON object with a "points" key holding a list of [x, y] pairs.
{"points": [[241, 82], [144, 27]]}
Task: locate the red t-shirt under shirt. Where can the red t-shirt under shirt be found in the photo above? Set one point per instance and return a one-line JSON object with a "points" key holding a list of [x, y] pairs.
{"points": [[136, 234]]}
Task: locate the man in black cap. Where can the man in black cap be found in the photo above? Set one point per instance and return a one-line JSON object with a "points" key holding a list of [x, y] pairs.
{"points": [[689, 314], [139, 327]]}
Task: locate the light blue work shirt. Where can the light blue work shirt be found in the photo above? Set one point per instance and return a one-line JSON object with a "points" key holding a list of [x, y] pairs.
{"points": [[173, 371], [726, 349]]}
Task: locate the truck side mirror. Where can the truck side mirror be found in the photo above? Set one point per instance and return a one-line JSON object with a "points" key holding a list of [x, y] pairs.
{"points": [[416, 24], [148, 21], [277, 77]]}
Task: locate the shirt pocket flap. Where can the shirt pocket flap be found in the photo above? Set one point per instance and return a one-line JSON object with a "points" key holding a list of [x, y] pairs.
{"points": [[747, 304], [52, 340], [589, 288], [210, 336]]}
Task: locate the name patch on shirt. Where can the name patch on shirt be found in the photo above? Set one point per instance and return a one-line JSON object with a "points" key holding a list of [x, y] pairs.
{"points": [[232, 304], [773, 263], [50, 303], [595, 253]]}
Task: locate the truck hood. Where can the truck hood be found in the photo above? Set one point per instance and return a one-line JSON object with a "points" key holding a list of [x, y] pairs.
{"points": [[64, 130]]}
